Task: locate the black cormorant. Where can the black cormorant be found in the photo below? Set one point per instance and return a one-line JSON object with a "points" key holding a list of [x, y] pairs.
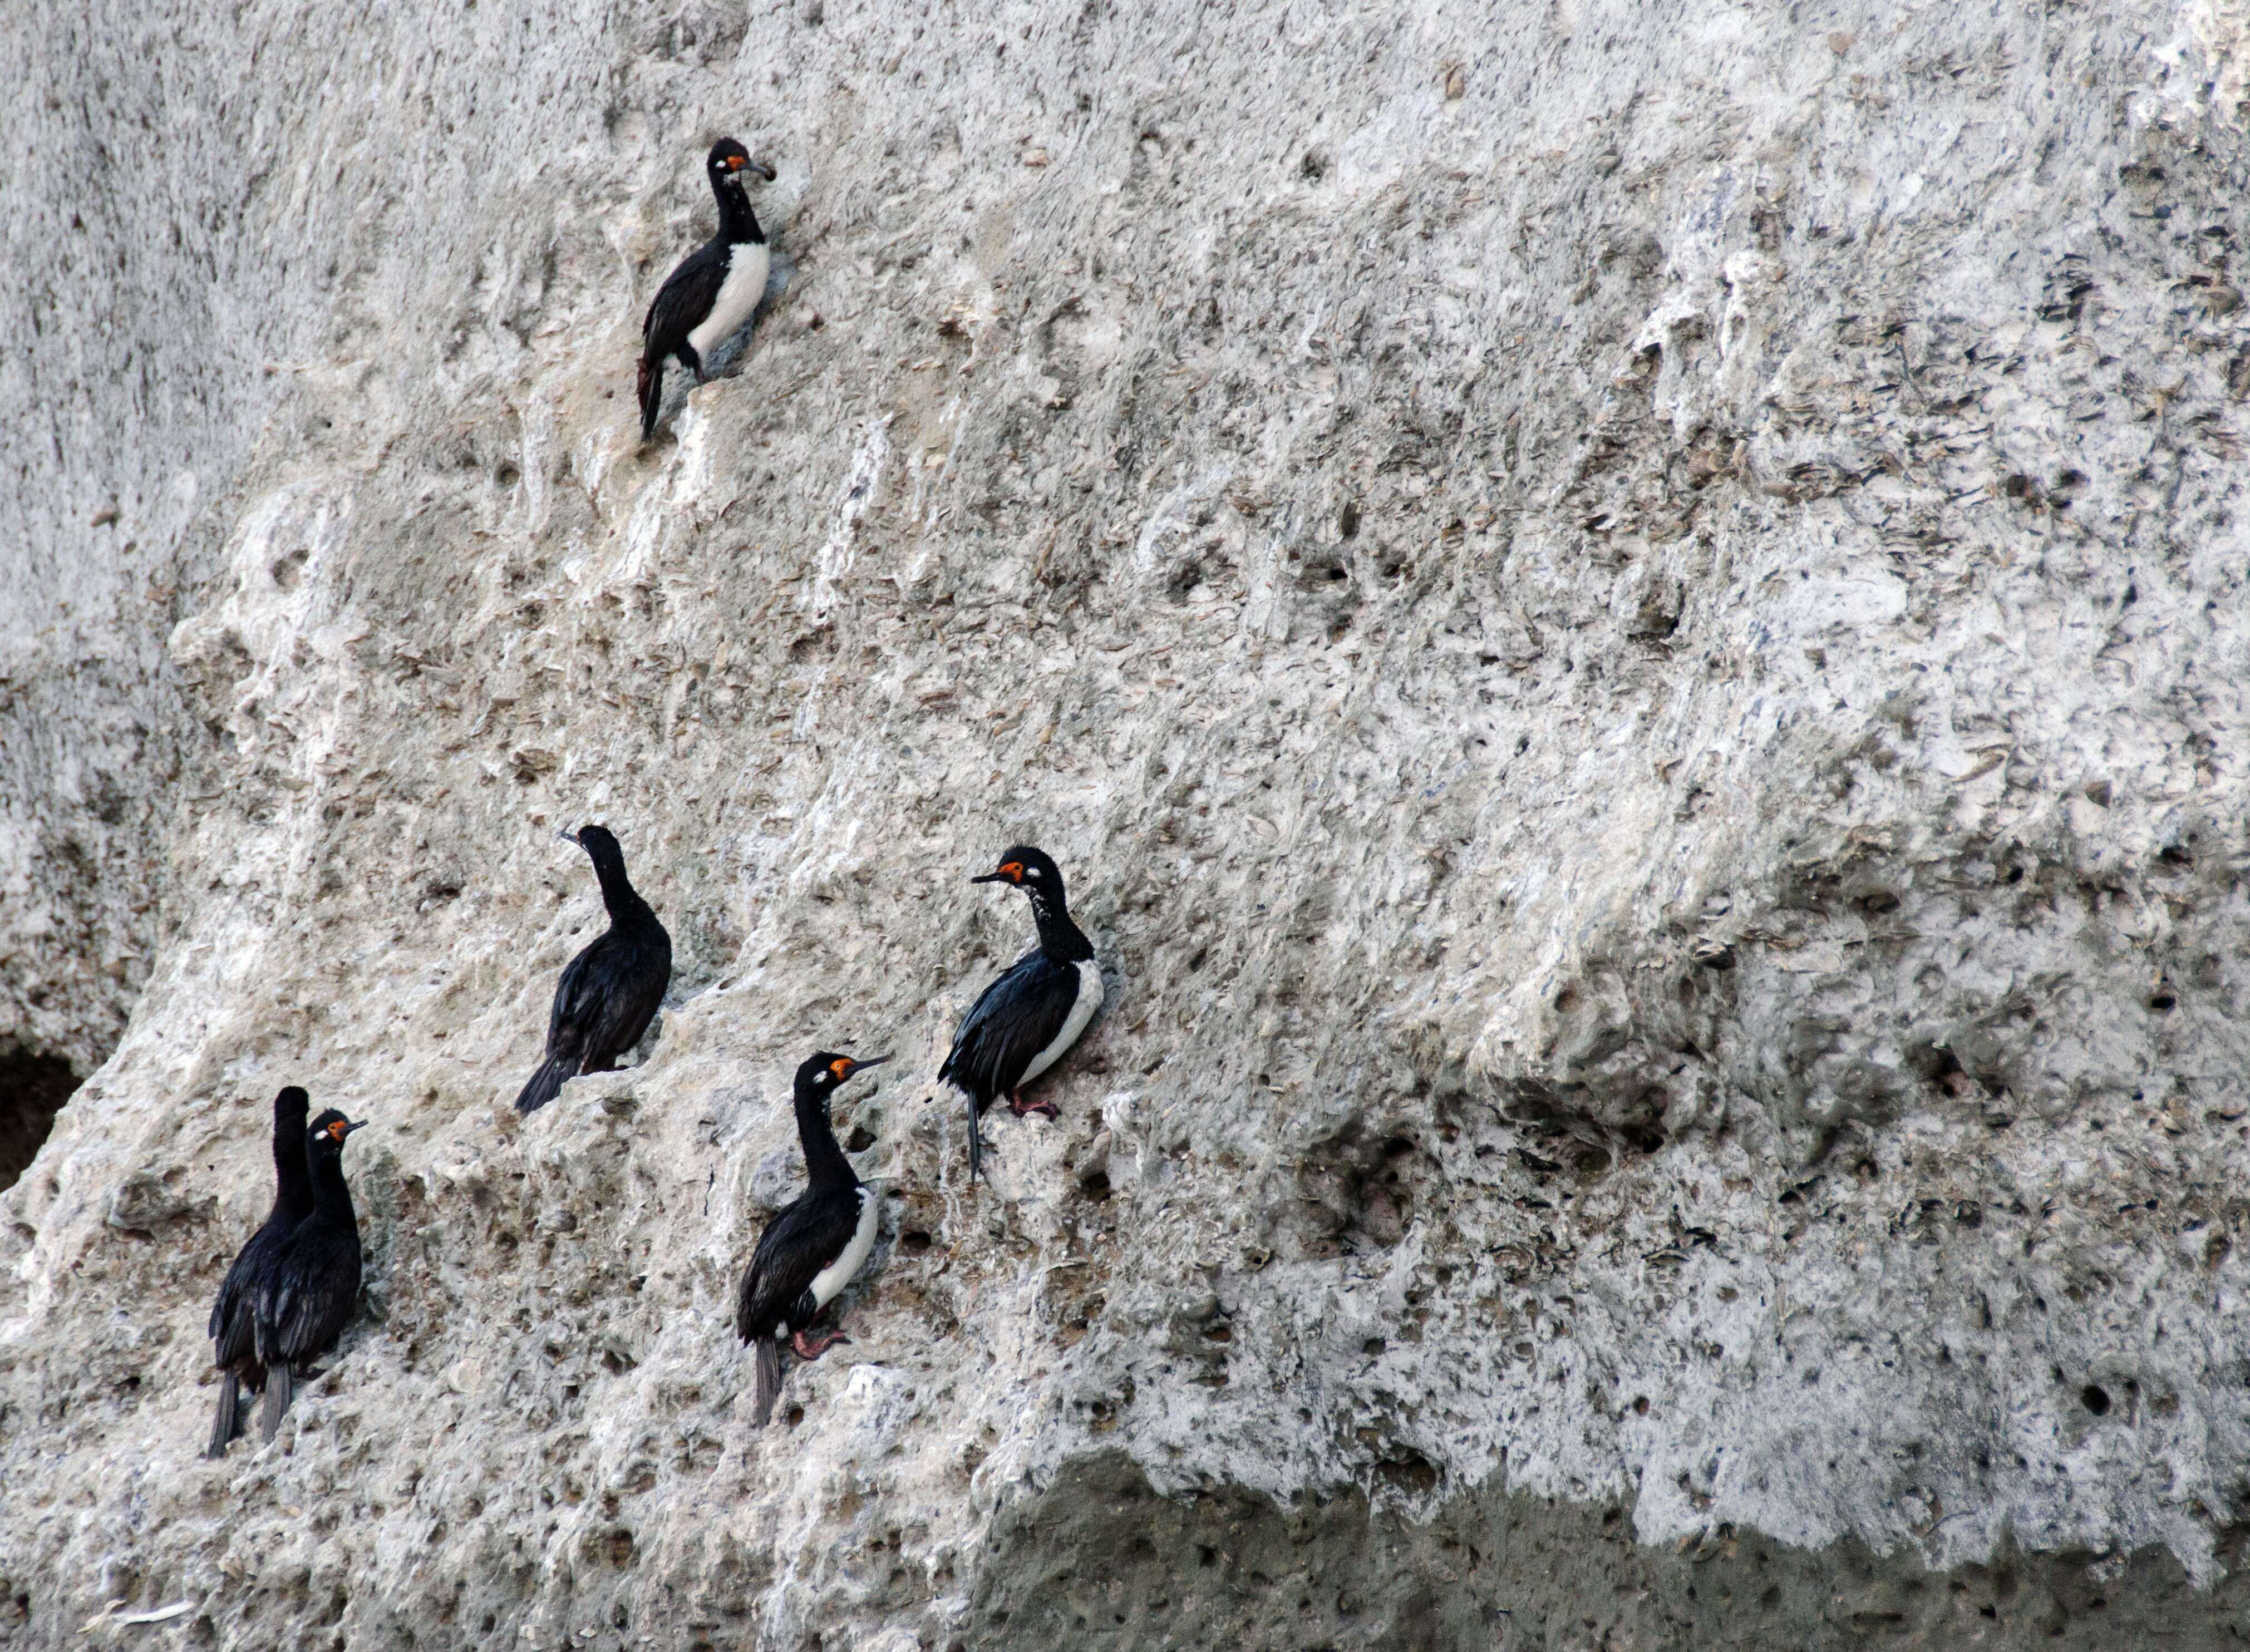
{"points": [[233, 1315], [306, 1293], [609, 992]]}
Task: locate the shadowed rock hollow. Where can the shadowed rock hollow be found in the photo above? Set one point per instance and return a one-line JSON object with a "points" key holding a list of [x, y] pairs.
{"points": [[1628, 620]]}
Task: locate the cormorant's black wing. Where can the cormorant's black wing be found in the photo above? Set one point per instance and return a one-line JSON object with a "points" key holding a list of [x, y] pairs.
{"points": [[688, 294], [608, 996], [234, 1293], [307, 1297], [809, 1234], [234, 1310], [233, 1321], [577, 1001], [1019, 1016]]}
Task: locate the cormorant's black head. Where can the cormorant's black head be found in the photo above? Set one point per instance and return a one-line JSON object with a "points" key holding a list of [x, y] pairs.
{"points": [[823, 1072], [325, 1137], [1027, 868], [290, 1108], [731, 162], [597, 841]]}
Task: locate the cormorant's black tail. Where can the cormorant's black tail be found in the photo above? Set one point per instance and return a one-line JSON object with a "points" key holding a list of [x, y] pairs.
{"points": [[768, 1377], [545, 1085], [975, 1143], [278, 1378], [224, 1418], [651, 391]]}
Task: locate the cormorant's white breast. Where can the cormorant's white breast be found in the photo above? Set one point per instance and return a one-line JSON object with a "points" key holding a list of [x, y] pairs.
{"points": [[747, 263], [1089, 1000], [831, 1279]]}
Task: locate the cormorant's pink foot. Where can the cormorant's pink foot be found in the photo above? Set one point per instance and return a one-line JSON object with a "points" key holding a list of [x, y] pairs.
{"points": [[1018, 1106], [812, 1349]]}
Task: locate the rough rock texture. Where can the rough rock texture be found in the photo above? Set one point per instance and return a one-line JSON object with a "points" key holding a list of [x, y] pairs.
{"points": [[1630, 621]]}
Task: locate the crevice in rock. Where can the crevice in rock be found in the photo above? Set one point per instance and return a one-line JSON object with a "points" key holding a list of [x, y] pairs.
{"points": [[32, 1090]]}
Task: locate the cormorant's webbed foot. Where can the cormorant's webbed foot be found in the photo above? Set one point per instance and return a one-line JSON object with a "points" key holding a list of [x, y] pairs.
{"points": [[813, 1347]]}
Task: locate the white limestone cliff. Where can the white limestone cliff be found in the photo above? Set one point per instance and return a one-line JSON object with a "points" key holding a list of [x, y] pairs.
{"points": [[1629, 621]]}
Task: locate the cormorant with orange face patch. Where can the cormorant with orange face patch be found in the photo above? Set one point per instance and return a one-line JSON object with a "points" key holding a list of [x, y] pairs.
{"points": [[233, 1315], [714, 289], [809, 1252], [306, 1297], [1034, 1012]]}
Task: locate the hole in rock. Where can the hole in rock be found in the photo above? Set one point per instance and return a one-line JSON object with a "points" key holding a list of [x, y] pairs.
{"points": [[1410, 1472], [915, 1241], [32, 1090], [2095, 1398]]}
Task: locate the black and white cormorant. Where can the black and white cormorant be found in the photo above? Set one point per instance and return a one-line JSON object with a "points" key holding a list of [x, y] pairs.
{"points": [[1034, 1012], [233, 1315], [810, 1251], [715, 288], [306, 1293], [609, 992]]}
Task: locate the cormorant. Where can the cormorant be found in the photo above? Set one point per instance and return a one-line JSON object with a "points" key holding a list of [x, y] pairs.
{"points": [[714, 289], [609, 992], [1034, 1011], [307, 1294], [233, 1315], [810, 1251]]}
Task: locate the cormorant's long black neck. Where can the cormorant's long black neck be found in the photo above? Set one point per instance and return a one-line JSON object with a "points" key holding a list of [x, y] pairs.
{"points": [[618, 893], [737, 223], [1060, 938], [293, 1185], [826, 1166], [332, 1200]]}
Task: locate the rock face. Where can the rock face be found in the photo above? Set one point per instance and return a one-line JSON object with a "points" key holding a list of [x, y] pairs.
{"points": [[1629, 622]]}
